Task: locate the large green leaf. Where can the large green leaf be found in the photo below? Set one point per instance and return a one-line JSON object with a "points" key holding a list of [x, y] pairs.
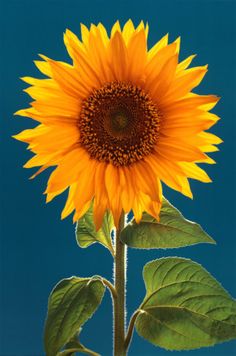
{"points": [[184, 307], [72, 302], [86, 233], [173, 230]]}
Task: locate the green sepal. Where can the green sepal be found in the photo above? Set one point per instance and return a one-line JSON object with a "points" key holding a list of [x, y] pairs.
{"points": [[87, 235], [71, 303], [171, 231], [185, 307]]}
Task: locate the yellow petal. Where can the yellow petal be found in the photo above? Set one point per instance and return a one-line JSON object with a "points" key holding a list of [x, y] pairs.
{"points": [[103, 33], [137, 48], [68, 170], [115, 28], [85, 187], [84, 34], [128, 31], [185, 83], [191, 101], [101, 198], [177, 41], [211, 138], [51, 196], [65, 75], [70, 205], [158, 46], [163, 171], [185, 187], [44, 67], [165, 78], [178, 150], [155, 65], [185, 63], [128, 188], [118, 57], [81, 211], [145, 180], [113, 191], [195, 172]]}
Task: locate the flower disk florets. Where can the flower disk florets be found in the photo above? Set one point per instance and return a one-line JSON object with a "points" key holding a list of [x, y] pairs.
{"points": [[119, 124]]}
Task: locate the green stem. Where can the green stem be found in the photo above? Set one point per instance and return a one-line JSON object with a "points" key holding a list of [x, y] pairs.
{"points": [[119, 301]]}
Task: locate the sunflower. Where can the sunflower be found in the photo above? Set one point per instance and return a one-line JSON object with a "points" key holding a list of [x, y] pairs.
{"points": [[118, 121]]}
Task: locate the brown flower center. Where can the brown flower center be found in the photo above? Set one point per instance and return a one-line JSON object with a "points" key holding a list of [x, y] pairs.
{"points": [[118, 124]]}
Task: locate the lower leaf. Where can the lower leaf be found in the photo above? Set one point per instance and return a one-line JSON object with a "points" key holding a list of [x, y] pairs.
{"points": [[72, 302], [185, 307]]}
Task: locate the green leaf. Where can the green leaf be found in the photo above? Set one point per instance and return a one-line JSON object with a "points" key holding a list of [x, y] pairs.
{"points": [[72, 302], [172, 231], [185, 307], [86, 233]]}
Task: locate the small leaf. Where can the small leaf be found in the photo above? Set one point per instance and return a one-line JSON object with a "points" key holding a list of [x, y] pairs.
{"points": [[172, 231], [185, 307], [80, 349], [68, 352], [72, 302], [86, 233], [74, 346]]}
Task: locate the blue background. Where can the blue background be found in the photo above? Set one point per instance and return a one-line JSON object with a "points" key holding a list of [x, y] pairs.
{"points": [[37, 249]]}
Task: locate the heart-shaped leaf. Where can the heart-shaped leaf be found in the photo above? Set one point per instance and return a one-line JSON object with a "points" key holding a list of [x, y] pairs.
{"points": [[185, 307], [87, 235], [72, 302], [172, 231]]}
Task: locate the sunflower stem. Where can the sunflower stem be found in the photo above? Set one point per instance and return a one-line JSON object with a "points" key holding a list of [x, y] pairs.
{"points": [[119, 301]]}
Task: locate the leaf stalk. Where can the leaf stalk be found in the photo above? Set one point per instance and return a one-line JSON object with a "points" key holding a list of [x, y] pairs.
{"points": [[110, 286], [130, 329]]}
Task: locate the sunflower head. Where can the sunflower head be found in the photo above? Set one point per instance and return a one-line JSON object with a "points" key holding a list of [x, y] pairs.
{"points": [[118, 121]]}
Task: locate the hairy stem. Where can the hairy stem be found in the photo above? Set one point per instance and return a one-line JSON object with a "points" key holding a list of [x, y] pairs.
{"points": [[119, 301]]}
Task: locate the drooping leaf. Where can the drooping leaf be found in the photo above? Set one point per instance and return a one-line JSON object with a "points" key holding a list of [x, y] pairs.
{"points": [[72, 302], [87, 235], [172, 231], [184, 307]]}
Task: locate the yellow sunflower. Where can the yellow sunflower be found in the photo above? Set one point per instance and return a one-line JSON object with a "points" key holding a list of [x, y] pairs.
{"points": [[118, 121]]}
